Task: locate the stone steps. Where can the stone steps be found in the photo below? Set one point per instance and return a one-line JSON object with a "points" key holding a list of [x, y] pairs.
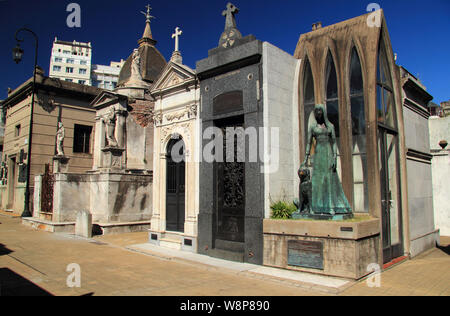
{"points": [[171, 241]]}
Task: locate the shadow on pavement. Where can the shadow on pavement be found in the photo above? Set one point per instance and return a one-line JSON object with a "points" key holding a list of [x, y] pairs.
{"points": [[4, 250], [445, 249], [13, 284]]}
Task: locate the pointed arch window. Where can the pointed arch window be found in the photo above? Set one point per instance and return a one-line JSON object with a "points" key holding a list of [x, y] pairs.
{"points": [[359, 153], [385, 95], [308, 94], [332, 104], [332, 100]]}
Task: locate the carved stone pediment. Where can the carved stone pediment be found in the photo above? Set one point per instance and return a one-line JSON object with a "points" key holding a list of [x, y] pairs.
{"points": [[173, 75], [106, 98]]}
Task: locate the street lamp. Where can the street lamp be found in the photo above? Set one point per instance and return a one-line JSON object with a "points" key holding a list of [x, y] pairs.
{"points": [[17, 56], [17, 53]]}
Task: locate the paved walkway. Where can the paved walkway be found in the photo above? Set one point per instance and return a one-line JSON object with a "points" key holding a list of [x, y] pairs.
{"points": [[35, 262]]}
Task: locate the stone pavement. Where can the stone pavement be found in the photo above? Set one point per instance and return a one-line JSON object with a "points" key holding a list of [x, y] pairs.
{"points": [[35, 262]]}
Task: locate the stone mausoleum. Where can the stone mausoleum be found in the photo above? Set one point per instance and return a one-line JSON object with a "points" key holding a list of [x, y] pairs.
{"points": [[247, 106]]}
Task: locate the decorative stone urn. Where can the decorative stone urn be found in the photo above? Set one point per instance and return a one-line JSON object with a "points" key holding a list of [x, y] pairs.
{"points": [[443, 144]]}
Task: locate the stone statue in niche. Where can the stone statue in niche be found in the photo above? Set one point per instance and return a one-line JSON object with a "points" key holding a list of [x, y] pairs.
{"points": [[328, 200], [60, 134], [110, 123]]}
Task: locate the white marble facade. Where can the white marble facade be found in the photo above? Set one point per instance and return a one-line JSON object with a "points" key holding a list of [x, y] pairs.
{"points": [[176, 115]]}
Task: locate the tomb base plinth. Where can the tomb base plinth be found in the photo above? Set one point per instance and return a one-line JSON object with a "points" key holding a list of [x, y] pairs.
{"points": [[60, 164], [333, 248], [322, 217], [112, 158]]}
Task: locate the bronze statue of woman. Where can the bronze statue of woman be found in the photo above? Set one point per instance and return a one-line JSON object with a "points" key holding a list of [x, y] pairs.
{"points": [[327, 193]]}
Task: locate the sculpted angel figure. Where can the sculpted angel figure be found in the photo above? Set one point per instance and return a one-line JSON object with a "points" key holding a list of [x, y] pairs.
{"points": [[136, 66], [110, 122]]}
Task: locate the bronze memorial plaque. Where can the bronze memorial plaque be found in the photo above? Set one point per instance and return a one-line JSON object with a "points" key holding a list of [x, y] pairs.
{"points": [[304, 253], [228, 102]]}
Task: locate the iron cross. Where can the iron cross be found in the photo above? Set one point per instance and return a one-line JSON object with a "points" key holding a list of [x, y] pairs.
{"points": [[147, 15]]}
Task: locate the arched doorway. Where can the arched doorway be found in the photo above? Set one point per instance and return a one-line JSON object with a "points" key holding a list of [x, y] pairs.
{"points": [[388, 149], [175, 185]]}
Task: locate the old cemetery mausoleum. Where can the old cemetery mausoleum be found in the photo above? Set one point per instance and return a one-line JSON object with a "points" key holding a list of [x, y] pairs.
{"points": [[350, 68], [58, 105], [199, 157]]}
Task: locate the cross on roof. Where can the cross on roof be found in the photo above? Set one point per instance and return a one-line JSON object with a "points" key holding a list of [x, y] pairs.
{"points": [[175, 35], [229, 14], [147, 14]]}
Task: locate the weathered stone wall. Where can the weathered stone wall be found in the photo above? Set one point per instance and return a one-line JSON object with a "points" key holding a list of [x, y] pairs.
{"points": [[111, 198], [70, 194], [440, 130], [119, 197], [441, 196], [280, 77]]}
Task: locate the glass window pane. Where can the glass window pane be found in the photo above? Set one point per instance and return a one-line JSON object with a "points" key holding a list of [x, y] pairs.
{"points": [[393, 188], [308, 92], [332, 90], [333, 116], [356, 80], [308, 84], [358, 115], [389, 108], [380, 106], [360, 185], [309, 108]]}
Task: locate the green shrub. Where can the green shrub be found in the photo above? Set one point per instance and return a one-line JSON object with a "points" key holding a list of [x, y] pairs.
{"points": [[282, 210]]}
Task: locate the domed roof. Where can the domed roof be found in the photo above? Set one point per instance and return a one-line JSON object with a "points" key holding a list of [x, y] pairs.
{"points": [[152, 61]]}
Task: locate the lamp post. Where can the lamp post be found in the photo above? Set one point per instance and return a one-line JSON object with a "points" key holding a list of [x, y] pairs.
{"points": [[17, 56]]}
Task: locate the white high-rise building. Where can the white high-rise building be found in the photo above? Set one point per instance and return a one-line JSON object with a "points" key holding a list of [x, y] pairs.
{"points": [[71, 61], [106, 77]]}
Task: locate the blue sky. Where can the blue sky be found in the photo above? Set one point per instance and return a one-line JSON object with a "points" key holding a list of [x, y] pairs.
{"points": [[419, 30]]}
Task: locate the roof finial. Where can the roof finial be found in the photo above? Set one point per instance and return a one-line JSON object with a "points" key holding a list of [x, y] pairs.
{"points": [[231, 33], [229, 13], [147, 14], [176, 55], [175, 35], [147, 37]]}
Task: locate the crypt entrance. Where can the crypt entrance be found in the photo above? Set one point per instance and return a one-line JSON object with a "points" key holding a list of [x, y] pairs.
{"points": [[176, 155], [230, 193], [175, 185], [350, 69]]}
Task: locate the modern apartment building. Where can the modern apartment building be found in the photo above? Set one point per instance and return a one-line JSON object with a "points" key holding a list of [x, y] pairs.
{"points": [[106, 77], [71, 61]]}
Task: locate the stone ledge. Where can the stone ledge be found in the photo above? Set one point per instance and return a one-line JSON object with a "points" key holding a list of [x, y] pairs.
{"points": [[123, 227], [331, 229], [49, 226], [122, 223]]}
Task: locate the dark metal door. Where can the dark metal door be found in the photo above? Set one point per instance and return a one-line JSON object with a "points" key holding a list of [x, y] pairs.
{"points": [[48, 181], [390, 195], [175, 188], [230, 180]]}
